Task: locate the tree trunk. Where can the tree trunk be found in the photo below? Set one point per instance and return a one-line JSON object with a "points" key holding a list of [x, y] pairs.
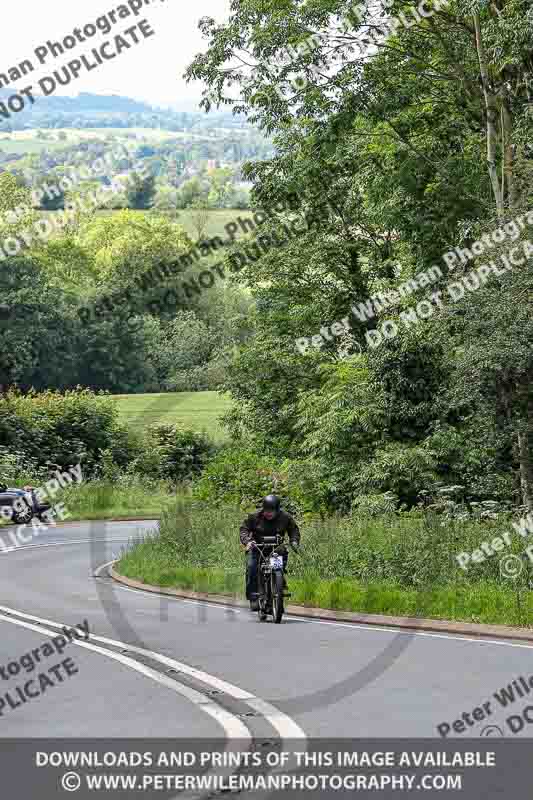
{"points": [[492, 120], [523, 434], [508, 181], [526, 468]]}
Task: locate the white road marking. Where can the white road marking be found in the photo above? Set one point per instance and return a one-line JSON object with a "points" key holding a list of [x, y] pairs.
{"points": [[411, 632], [57, 544], [233, 726], [281, 722], [370, 626], [99, 569], [157, 596]]}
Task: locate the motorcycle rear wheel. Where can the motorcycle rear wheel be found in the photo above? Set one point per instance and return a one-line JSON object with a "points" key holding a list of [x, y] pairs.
{"points": [[262, 603]]}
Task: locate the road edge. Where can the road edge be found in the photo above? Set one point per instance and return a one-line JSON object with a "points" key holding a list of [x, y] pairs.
{"points": [[372, 620], [60, 524]]}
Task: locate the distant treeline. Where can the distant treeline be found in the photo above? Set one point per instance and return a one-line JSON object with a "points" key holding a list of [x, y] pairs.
{"points": [[109, 111]]}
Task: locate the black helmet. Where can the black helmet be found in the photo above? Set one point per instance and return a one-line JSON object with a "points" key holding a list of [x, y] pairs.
{"points": [[271, 503]]}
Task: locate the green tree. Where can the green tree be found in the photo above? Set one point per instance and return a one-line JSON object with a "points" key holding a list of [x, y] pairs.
{"points": [[141, 191], [388, 155], [191, 191], [492, 358], [124, 244], [14, 194], [221, 188], [36, 342]]}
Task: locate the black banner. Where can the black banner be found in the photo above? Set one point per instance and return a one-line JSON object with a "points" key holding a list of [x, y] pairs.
{"points": [[256, 768]]}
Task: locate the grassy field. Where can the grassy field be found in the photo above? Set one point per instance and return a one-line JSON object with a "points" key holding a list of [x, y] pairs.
{"points": [[198, 411], [123, 133], [86, 134], [482, 604], [137, 498], [134, 498], [29, 141], [28, 146], [217, 219]]}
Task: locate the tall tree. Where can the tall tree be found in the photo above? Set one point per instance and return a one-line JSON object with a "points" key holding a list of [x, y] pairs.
{"points": [[389, 125]]}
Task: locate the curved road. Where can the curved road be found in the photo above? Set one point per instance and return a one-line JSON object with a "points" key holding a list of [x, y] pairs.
{"points": [[198, 670]]}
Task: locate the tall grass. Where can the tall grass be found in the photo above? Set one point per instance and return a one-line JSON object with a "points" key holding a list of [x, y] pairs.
{"points": [[393, 565], [133, 497]]}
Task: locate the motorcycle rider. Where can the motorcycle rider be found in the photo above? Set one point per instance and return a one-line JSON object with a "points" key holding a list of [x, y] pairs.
{"points": [[270, 520]]}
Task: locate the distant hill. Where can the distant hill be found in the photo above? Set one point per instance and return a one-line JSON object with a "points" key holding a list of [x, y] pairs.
{"points": [[84, 103], [113, 111]]}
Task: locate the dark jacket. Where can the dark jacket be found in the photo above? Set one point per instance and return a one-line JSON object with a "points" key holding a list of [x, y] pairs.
{"points": [[255, 526]]}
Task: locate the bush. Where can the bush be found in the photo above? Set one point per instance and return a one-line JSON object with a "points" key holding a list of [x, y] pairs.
{"points": [[176, 454], [399, 469], [208, 377], [242, 477], [64, 429], [16, 469], [237, 476], [373, 505]]}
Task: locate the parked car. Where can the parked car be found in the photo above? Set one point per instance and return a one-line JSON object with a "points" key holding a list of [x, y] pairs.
{"points": [[21, 505]]}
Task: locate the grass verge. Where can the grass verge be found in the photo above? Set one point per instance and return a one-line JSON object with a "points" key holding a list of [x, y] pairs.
{"points": [[106, 500], [103, 500], [484, 604], [348, 565]]}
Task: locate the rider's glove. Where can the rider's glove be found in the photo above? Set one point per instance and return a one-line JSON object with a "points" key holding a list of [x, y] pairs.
{"points": [[295, 547]]}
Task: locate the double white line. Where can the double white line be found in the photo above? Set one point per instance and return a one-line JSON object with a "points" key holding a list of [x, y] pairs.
{"points": [[232, 724]]}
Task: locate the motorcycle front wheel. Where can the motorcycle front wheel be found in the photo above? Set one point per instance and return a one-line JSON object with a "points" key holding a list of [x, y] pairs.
{"points": [[277, 596]]}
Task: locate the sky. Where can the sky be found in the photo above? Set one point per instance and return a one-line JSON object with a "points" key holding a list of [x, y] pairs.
{"points": [[151, 70]]}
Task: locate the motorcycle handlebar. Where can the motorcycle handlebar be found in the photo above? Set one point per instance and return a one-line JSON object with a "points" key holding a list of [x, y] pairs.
{"points": [[294, 547]]}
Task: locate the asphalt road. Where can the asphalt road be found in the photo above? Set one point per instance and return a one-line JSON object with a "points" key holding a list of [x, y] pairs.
{"points": [[230, 675]]}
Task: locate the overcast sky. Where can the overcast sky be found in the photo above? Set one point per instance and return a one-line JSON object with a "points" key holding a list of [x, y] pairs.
{"points": [[150, 71]]}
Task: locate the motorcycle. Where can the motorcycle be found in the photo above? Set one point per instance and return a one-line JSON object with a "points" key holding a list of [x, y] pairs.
{"points": [[271, 578]]}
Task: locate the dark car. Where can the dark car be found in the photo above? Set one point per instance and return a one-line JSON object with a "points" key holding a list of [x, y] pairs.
{"points": [[20, 505]]}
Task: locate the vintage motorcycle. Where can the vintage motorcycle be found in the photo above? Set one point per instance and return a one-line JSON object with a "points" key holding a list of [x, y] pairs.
{"points": [[271, 578]]}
